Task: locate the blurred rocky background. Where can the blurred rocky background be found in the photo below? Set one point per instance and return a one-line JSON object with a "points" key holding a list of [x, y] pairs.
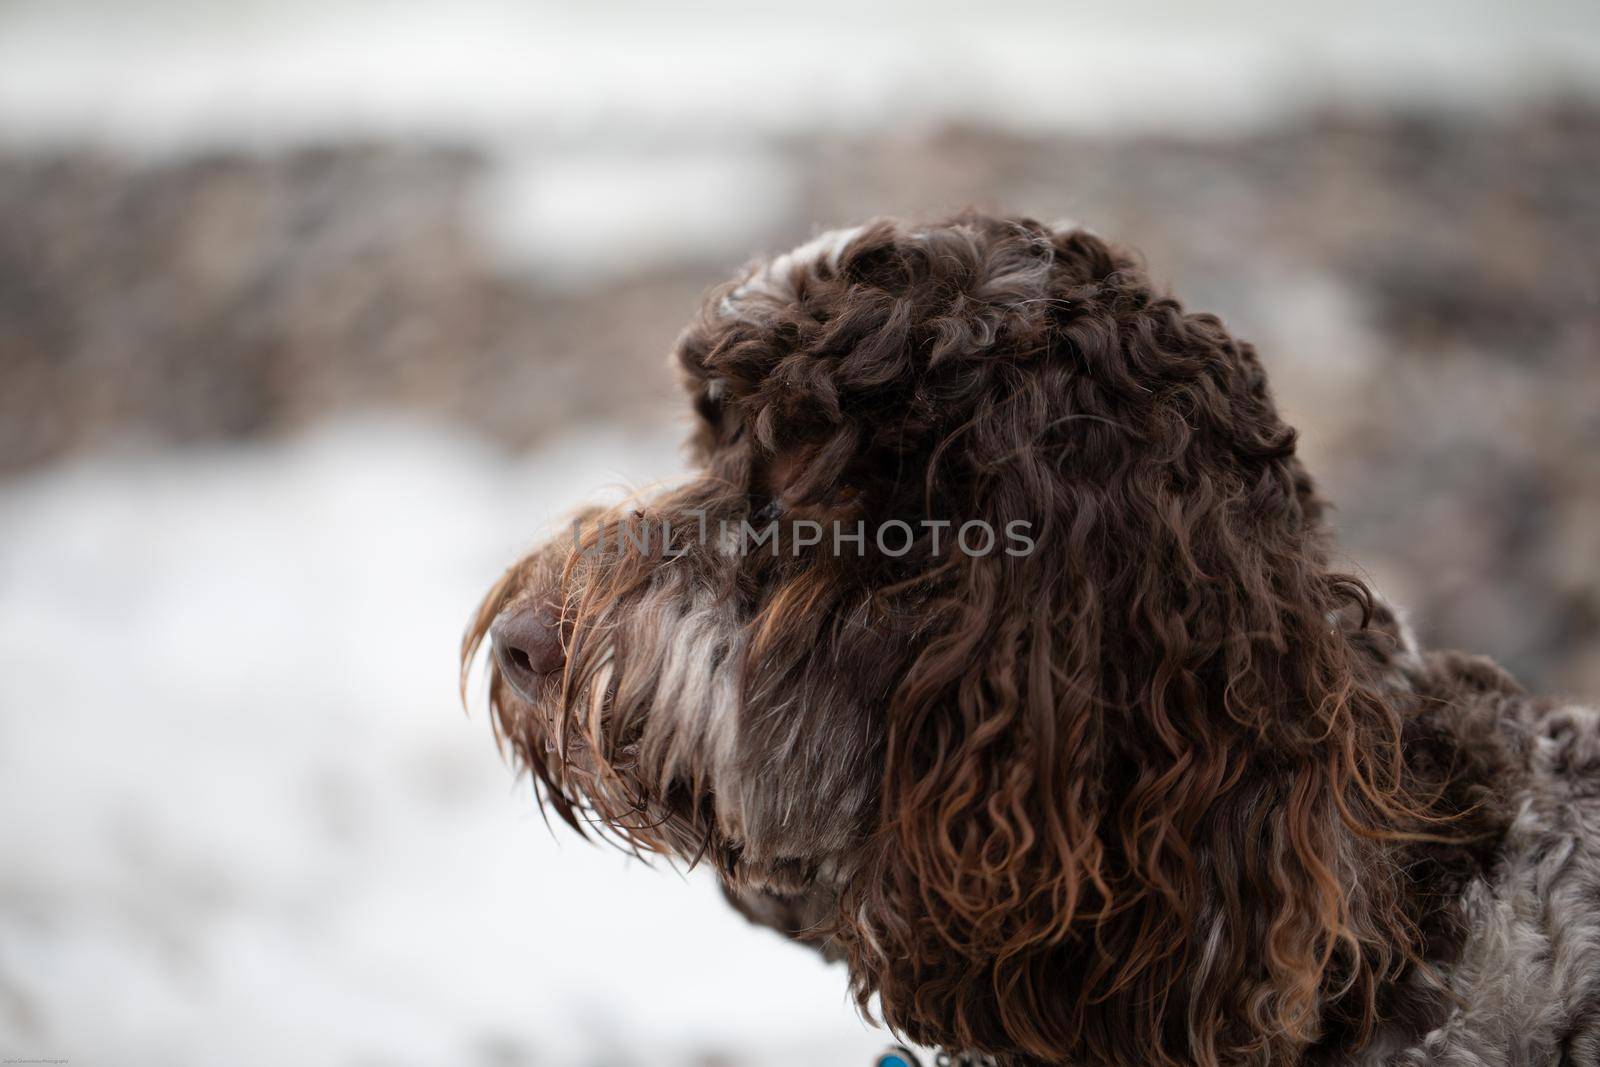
{"points": [[310, 316], [1425, 286]]}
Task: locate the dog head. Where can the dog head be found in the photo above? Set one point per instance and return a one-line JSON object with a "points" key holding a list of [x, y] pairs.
{"points": [[992, 648]]}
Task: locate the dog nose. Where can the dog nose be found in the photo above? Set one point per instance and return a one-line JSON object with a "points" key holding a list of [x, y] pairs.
{"points": [[527, 646]]}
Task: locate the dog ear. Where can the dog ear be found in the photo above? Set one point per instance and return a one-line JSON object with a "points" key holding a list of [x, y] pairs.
{"points": [[1133, 773]]}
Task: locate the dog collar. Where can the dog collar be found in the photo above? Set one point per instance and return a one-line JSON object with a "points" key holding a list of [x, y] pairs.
{"points": [[900, 1056]]}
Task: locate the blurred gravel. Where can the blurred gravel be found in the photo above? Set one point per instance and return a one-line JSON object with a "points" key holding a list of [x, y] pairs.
{"points": [[1425, 288]]}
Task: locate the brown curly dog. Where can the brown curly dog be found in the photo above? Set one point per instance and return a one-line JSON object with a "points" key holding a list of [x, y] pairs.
{"points": [[993, 649]]}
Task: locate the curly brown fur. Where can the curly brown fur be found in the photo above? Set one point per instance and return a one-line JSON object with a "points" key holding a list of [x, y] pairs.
{"points": [[1166, 789]]}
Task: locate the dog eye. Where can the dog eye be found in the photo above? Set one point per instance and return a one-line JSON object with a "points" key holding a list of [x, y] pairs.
{"points": [[708, 402]]}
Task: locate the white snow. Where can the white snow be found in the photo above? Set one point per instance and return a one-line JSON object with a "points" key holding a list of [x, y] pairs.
{"points": [[268, 69], [575, 218], [247, 822]]}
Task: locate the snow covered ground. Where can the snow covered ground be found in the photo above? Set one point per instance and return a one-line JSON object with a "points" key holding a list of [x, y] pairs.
{"points": [[246, 821], [159, 72]]}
